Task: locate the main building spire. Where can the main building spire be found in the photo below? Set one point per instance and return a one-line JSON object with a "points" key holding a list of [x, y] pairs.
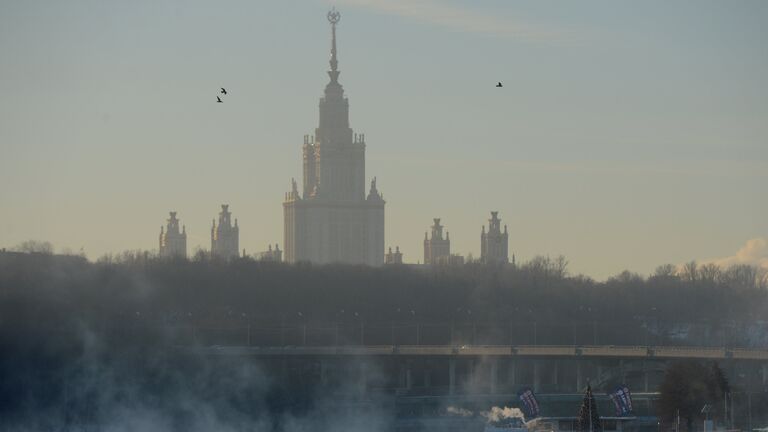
{"points": [[333, 17], [333, 221]]}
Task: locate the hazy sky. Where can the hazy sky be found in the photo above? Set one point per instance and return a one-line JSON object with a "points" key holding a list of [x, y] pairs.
{"points": [[627, 134]]}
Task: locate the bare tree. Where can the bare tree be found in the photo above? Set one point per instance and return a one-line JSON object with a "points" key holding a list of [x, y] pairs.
{"points": [[547, 267], [709, 272], [689, 272], [201, 255], [34, 246], [689, 385], [741, 275], [627, 277], [763, 278], [665, 270], [560, 267]]}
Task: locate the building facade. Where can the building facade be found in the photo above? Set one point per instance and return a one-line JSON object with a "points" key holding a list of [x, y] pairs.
{"points": [[395, 257], [173, 243], [332, 220], [271, 255], [449, 260], [494, 245], [225, 236], [436, 248]]}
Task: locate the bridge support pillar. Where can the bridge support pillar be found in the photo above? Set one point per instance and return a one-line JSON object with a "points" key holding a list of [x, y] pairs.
{"points": [[511, 374], [323, 373], [494, 374], [408, 376], [622, 373], [645, 377], [363, 382], [536, 377], [579, 377], [555, 373], [452, 375]]}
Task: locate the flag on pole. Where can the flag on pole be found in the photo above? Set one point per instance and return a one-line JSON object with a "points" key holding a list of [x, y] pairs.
{"points": [[530, 405]]}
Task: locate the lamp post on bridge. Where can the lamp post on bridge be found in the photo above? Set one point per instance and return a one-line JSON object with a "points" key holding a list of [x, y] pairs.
{"points": [[362, 329], [303, 328], [418, 328]]}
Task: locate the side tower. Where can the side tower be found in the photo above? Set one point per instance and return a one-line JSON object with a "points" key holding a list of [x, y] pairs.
{"points": [[395, 257], [225, 236], [331, 219], [494, 245], [272, 255], [172, 242], [437, 248]]}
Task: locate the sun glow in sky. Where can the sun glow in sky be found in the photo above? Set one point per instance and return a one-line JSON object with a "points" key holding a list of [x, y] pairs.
{"points": [[627, 134]]}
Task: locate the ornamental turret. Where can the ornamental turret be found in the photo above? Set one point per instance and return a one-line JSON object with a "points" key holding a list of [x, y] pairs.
{"points": [[494, 244], [224, 235], [173, 242], [436, 248]]}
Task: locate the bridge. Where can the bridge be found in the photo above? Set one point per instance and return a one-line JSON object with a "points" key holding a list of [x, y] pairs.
{"points": [[536, 351], [420, 380], [493, 369]]}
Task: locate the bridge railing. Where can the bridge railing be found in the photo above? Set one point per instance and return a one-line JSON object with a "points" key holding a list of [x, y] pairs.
{"points": [[443, 334]]}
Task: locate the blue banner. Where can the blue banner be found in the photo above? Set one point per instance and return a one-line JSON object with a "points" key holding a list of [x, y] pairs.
{"points": [[530, 404], [622, 400]]}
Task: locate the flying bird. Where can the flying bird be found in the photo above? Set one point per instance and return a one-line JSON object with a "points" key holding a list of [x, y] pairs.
{"points": [[218, 99], [223, 91], [499, 84]]}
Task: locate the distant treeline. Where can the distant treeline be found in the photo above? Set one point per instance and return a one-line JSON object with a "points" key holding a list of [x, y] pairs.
{"points": [[56, 291], [87, 346]]}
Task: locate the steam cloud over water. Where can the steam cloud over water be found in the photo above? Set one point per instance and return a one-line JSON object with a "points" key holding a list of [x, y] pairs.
{"points": [[101, 387], [498, 413]]}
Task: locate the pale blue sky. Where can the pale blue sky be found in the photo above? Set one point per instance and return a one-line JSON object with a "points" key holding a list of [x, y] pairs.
{"points": [[627, 134]]}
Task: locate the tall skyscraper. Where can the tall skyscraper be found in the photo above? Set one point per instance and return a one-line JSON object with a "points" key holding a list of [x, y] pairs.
{"points": [[494, 244], [225, 236], [172, 242], [436, 248], [332, 220]]}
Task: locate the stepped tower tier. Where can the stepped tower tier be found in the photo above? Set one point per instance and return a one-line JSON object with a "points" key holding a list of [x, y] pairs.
{"points": [[436, 248], [225, 237], [173, 242], [494, 245]]}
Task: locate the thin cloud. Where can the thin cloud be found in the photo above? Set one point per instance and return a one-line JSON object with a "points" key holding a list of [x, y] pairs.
{"points": [[720, 168], [457, 18], [754, 253]]}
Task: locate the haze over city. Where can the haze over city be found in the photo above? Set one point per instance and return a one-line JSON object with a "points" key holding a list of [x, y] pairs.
{"points": [[625, 136], [383, 216]]}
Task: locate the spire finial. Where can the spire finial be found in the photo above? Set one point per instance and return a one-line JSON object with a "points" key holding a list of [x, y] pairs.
{"points": [[333, 17]]}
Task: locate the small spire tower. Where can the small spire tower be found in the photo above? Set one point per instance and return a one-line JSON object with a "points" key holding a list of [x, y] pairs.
{"points": [[494, 245], [173, 243], [225, 236], [436, 248]]}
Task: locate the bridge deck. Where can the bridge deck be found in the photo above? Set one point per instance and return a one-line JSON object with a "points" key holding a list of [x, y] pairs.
{"points": [[490, 350]]}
